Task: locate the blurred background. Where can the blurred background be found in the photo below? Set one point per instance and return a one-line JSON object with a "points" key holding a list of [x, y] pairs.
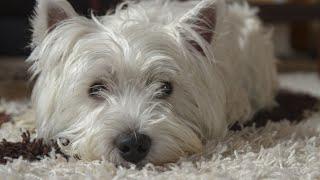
{"points": [[296, 25]]}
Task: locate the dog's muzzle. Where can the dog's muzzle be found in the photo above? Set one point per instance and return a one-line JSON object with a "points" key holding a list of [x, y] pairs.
{"points": [[133, 147]]}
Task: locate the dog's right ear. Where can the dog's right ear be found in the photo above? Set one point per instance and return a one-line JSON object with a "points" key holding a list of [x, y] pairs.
{"points": [[48, 14], [203, 19]]}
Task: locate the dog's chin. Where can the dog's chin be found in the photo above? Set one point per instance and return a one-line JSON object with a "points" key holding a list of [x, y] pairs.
{"points": [[155, 162], [115, 159], [159, 160]]}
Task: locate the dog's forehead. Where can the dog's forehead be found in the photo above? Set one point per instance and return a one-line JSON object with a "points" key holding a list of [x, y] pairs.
{"points": [[124, 55], [136, 44]]}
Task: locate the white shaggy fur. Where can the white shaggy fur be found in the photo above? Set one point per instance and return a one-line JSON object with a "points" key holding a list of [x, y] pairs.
{"points": [[132, 52]]}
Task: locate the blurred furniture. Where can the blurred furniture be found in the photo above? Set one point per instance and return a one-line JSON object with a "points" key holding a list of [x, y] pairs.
{"points": [[290, 13]]}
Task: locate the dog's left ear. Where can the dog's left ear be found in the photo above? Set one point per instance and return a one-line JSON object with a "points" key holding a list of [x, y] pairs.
{"points": [[48, 14], [203, 20]]}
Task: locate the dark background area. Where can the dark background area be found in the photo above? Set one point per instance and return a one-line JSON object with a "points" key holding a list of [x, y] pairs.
{"points": [[15, 30], [14, 26]]}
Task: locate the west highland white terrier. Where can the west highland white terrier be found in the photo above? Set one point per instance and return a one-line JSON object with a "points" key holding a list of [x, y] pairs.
{"points": [[150, 83]]}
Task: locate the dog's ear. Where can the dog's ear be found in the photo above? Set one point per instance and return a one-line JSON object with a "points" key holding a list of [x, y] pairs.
{"points": [[203, 19], [48, 14]]}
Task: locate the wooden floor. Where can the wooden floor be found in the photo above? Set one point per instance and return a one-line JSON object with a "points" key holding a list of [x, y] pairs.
{"points": [[297, 65], [14, 75]]}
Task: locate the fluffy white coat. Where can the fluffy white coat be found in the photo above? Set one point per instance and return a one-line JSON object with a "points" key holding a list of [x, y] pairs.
{"points": [[132, 51]]}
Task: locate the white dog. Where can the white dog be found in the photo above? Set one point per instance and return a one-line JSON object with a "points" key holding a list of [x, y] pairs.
{"points": [[153, 82]]}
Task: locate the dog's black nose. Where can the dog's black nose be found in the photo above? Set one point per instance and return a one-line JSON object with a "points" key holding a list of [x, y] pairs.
{"points": [[133, 147]]}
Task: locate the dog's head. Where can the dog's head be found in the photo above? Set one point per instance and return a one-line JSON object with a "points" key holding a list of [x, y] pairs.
{"points": [[128, 87]]}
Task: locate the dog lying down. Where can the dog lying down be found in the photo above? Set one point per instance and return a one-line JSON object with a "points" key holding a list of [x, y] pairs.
{"points": [[150, 83]]}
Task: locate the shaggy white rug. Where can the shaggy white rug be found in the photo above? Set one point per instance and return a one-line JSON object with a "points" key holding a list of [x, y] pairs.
{"points": [[277, 151]]}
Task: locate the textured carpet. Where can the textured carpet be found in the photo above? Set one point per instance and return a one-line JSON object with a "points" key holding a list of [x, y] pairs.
{"points": [[278, 150]]}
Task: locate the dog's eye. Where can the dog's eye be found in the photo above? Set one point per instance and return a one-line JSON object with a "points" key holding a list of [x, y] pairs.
{"points": [[96, 88], [165, 90]]}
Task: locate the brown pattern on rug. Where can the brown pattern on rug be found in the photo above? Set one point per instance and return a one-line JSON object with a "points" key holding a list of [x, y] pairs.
{"points": [[27, 149], [291, 106]]}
